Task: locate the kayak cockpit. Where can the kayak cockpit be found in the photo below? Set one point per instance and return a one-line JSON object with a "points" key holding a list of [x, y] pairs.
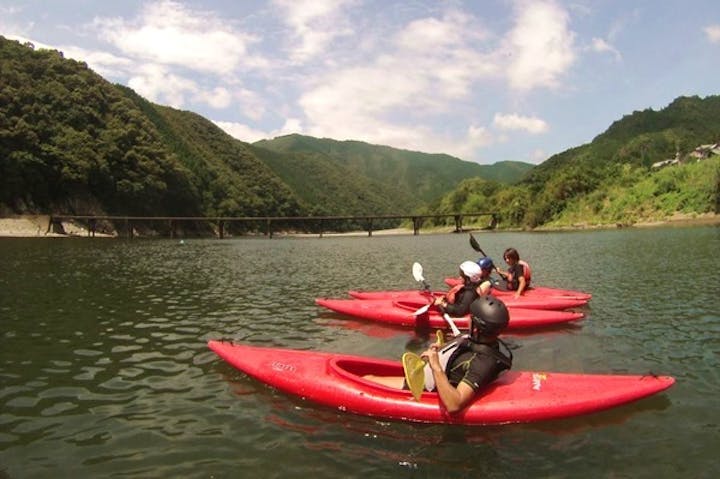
{"points": [[353, 370]]}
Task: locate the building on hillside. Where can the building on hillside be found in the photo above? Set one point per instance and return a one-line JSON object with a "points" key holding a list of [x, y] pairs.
{"points": [[672, 161], [701, 152], [705, 151]]}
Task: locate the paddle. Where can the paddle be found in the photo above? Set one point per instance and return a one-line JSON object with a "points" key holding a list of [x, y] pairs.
{"points": [[414, 369], [413, 366], [417, 271], [476, 246], [453, 327]]}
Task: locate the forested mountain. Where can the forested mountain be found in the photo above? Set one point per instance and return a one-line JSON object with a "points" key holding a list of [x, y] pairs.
{"points": [[422, 176], [611, 179], [71, 142]]}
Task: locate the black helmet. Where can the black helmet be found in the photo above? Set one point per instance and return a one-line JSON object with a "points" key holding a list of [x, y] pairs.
{"points": [[488, 316]]}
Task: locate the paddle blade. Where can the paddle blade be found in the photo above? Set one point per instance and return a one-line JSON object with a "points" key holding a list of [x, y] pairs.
{"points": [[414, 366], [439, 337], [422, 310], [475, 245], [417, 271]]}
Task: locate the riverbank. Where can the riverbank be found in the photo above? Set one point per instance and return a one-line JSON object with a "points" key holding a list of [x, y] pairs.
{"points": [[678, 219], [36, 226]]}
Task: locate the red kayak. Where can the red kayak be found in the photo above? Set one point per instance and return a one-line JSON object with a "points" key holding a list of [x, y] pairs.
{"points": [[524, 301], [335, 380], [401, 313], [533, 291]]}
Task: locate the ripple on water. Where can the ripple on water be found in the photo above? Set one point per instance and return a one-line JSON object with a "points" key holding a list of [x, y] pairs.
{"points": [[123, 383]]}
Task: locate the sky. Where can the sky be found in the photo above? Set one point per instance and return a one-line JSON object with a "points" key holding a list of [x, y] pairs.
{"points": [[483, 80]]}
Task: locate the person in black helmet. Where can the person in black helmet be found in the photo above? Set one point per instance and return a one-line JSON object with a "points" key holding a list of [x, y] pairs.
{"points": [[462, 367]]}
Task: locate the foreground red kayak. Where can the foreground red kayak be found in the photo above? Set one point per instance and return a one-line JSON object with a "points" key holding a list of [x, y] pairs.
{"points": [[533, 291], [401, 313], [335, 380], [524, 301]]}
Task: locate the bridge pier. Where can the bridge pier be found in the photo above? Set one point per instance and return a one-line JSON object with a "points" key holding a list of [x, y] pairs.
{"points": [[317, 223], [417, 221], [458, 223]]}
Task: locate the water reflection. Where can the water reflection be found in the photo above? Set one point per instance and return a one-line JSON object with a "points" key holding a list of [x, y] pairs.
{"points": [[105, 369]]}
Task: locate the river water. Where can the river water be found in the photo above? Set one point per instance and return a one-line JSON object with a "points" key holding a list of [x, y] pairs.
{"points": [[105, 371]]}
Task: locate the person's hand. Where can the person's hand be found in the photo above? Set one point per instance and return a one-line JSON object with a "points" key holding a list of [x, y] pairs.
{"points": [[432, 357]]}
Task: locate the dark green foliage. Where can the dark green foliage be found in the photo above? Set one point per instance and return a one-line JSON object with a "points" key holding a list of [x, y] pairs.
{"points": [[411, 177], [610, 179], [328, 188], [66, 134], [70, 142]]}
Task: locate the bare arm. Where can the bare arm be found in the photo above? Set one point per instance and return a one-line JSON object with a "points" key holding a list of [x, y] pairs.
{"points": [[521, 286], [484, 288], [454, 399]]}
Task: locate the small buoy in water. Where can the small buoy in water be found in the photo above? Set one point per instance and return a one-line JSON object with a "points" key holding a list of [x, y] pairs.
{"points": [[182, 241]]}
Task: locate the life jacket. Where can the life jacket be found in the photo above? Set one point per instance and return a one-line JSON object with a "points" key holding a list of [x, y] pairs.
{"points": [[450, 295], [527, 274], [458, 346]]}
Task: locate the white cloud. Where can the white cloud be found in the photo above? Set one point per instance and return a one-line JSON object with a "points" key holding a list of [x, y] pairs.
{"points": [[104, 63], [315, 24], [12, 29], [601, 46], [516, 122], [168, 32], [158, 84], [421, 75], [250, 135], [541, 45], [713, 33], [218, 97], [537, 156]]}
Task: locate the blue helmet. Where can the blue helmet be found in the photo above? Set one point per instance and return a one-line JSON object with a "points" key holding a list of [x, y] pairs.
{"points": [[485, 263]]}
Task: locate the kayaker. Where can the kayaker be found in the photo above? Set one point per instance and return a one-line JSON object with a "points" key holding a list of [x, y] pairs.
{"points": [[457, 301], [518, 275], [461, 368], [486, 268]]}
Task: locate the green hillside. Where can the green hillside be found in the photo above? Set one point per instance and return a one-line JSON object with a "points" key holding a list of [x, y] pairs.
{"points": [[422, 176], [73, 143], [70, 142], [326, 187], [611, 179]]}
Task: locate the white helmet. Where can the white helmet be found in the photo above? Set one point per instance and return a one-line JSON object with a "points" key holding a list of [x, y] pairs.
{"points": [[471, 270]]}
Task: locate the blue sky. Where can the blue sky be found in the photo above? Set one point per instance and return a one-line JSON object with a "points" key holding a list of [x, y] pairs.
{"points": [[485, 81]]}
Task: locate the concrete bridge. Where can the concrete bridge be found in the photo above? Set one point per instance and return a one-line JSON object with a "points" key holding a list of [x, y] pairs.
{"points": [[125, 225]]}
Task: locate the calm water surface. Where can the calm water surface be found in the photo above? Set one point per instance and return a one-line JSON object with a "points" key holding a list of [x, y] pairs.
{"points": [[105, 371]]}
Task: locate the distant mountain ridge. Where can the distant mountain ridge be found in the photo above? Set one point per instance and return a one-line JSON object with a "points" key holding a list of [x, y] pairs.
{"points": [[424, 176]]}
